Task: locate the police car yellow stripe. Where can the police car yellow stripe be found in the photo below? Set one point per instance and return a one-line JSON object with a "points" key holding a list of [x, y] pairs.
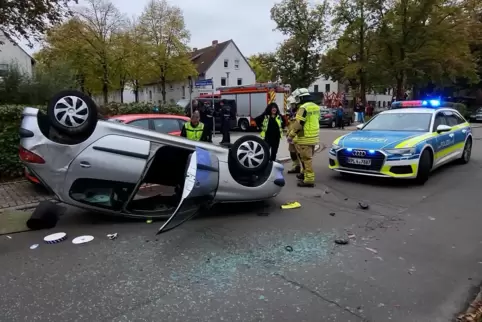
{"points": [[337, 140], [409, 143]]}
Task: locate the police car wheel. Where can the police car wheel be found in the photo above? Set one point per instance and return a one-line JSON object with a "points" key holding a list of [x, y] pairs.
{"points": [[250, 154], [465, 158], [424, 167], [72, 113]]}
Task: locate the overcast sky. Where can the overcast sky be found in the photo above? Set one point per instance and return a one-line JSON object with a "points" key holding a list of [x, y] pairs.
{"points": [[247, 22]]}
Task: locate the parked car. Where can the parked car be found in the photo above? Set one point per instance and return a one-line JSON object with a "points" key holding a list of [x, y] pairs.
{"points": [[162, 123], [327, 117], [99, 165], [476, 116]]}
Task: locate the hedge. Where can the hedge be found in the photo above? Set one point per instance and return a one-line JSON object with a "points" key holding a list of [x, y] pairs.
{"points": [[10, 115]]}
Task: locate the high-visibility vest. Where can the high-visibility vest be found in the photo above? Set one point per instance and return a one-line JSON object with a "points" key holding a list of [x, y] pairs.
{"points": [[194, 133], [264, 126], [309, 113]]}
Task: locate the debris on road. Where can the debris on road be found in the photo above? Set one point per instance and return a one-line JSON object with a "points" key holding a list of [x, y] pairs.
{"points": [[431, 218], [412, 270], [326, 192], [351, 236], [345, 199], [34, 246], [341, 241], [112, 236], [149, 221], [45, 216], [55, 238], [9, 237], [82, 239], [363, 205], [332, 214], [291, 205], [289, 248], [372, 250]]}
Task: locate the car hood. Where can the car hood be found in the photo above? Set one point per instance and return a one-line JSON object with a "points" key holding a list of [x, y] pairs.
{"points": [[375, 139]]}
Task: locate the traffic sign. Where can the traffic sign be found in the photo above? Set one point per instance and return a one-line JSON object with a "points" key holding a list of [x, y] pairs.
{"points": [[203, 82]]}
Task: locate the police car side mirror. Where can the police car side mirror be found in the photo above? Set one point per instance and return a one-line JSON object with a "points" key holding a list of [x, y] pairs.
{"points": [[443, 128], [359, 126]]}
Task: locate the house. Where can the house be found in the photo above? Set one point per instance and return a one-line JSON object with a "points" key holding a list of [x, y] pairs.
{"points": [[327, 85], [223, 62], [12, 54]]}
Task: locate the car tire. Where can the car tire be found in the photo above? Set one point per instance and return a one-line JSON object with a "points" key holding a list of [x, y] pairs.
{"points": [[332, 124], [424, 167], [72, 113], [243, 125], [465, 158], [250, 154]]}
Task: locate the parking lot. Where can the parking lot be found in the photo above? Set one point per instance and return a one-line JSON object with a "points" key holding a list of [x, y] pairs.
{"points": [[413, 255]]}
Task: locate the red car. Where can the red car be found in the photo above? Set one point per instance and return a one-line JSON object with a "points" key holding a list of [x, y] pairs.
{"points": [[163, 123]]}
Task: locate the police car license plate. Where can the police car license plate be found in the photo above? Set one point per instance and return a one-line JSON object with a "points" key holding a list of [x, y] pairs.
{"points": [[359, 161]]}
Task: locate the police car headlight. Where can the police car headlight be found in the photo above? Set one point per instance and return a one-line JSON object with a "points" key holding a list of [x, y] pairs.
{"points": [[404, 151], [335, 146]]}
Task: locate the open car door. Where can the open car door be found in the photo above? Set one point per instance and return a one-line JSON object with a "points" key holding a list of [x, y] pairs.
{"points": [[200, 185]]}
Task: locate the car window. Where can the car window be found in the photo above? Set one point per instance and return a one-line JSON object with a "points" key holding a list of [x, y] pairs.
{"points": [[140, 123], [166, 125], [181, 123], [452, 118], [400, 122], [439, 120]]}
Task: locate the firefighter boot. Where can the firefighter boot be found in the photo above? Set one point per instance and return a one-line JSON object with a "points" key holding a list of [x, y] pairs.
{"points": [[300, 176], [304, 184], [295, 170]]}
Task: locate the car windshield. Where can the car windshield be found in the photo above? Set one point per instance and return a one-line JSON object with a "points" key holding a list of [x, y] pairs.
{"points": [[479, 110], [182, 102], [400, 122]]}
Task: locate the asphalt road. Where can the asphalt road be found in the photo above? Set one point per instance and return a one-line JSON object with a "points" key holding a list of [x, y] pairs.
{"points": [[414, 255]]}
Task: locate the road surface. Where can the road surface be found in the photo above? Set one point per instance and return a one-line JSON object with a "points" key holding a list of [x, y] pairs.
{"points": [[414, 255]]}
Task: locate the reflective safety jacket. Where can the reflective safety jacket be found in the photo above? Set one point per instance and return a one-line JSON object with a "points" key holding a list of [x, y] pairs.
{"points": [[264, 126], [306, 129], [194, 133]]}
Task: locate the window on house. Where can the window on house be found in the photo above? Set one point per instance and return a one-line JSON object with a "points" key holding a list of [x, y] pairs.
{"points": [[150, 96], [171, 87], [3, 66], [327, 88], [236, 64], [184, 92], [240, 81], [226, 63], [223, 81], [316, 89]]}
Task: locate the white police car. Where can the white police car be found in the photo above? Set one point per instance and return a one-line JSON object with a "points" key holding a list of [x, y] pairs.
{"points": [[407, 141]]}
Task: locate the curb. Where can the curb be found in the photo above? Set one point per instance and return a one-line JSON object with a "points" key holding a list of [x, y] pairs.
{"points": [[26, 206]]}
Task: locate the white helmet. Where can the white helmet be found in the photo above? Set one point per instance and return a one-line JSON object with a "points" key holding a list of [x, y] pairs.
{"points": [[299, 92]]}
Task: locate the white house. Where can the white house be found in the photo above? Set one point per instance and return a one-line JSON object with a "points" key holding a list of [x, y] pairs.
{"points": [[326, 85], [12, 53], [223, 62]]}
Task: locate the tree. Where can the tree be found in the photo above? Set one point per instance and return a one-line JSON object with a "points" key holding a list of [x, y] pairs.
{"points": [[166, 36], [425, 42], [306, 27], [31, 19], [264, 66]]}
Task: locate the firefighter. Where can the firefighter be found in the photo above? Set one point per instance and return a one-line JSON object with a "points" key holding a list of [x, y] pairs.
{"points": [[295, 162], [225, 123], [305, 134], [194, 130]]}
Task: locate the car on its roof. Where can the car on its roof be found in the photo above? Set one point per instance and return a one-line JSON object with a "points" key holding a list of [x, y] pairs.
{"points": [[406, 142], [100, 165], [162, 123]]}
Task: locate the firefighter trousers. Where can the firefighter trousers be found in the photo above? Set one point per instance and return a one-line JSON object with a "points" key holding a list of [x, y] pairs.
{"points": [[305, 156], [295, 162]]}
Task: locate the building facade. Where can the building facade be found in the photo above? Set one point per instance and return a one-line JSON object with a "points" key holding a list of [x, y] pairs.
{"points": [[12, 55]]}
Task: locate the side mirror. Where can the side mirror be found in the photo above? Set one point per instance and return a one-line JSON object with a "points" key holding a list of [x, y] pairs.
{"points": [[359, 126], [443, 128]]}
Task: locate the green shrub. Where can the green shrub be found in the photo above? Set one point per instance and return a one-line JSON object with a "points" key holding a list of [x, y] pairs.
{"points": [[115, 108]]}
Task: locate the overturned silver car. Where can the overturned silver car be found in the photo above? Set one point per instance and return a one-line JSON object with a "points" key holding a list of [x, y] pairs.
{"points": [[100, 166]]}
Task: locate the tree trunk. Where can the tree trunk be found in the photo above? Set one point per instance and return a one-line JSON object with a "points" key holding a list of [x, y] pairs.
{"points": [[363, 85], [105, 83], [163, 89], [122, 86], [400, 88], [136, 91]]}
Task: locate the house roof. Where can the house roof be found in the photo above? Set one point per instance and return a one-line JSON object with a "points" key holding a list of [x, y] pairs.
{"points": [[204, 58]]}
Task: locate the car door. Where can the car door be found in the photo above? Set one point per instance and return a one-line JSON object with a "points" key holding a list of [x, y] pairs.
{"points": [[167, 126], [443, 141], [459, 132], [107, 171], [200, 186]]}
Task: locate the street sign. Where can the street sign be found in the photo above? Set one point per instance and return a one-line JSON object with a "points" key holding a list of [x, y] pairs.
{"points": [[203, 82]]}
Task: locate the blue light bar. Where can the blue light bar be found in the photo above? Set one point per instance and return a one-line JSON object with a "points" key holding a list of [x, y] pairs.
{"points": [[424, 103]]}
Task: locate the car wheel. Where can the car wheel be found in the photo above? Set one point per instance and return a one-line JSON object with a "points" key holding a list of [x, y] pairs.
{"points": [[243, 125], [465, 158], [72, 113], [332, 124], [250, 154], [424, 167]]}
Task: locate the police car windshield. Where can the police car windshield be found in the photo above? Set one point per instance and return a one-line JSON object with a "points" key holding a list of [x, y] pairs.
{"points": [[400, 122]]}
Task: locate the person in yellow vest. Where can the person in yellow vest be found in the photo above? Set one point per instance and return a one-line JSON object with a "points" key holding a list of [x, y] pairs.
{"points": [[305, 133], [272, 125], [194, 130], [295, 162]]}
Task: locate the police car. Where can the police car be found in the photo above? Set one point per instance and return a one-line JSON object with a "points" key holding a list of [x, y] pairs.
{"points": [[408, 141]]}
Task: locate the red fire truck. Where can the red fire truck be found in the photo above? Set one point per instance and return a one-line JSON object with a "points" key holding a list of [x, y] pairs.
{"points": [[251, 100]]}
